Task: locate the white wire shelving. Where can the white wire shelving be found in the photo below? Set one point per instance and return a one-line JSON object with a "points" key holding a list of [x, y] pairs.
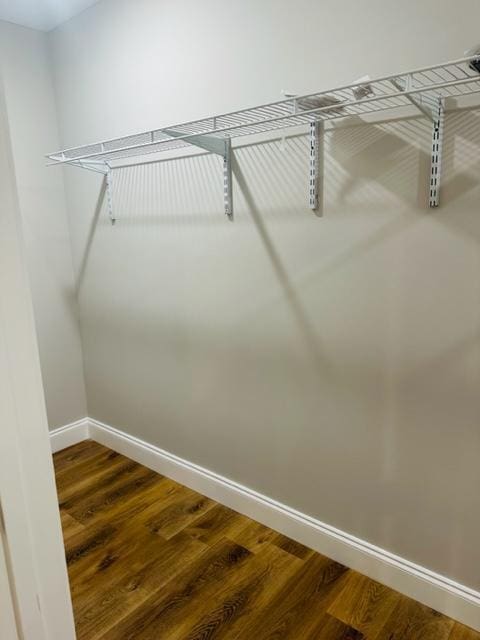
{"points": [[426, 88]]}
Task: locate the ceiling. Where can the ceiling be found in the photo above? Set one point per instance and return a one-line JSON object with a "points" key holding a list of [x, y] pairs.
{"points": [[42, 14]]}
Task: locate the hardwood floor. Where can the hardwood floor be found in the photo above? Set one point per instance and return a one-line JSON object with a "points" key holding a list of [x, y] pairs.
{"points": [[149, 559]]}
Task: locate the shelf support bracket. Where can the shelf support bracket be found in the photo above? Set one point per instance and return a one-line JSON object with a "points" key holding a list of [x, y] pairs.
{"points": [[434, 109], [221, 147], [316, 166], [425, 104], [227, 179], [109, 192], [436, 158]]}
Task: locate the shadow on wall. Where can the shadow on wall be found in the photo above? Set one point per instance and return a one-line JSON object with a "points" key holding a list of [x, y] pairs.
{"points": [[187, 190], [373, 167], [461, 170], [391, 156], [90, 235], [369, 166], [306, 327]]}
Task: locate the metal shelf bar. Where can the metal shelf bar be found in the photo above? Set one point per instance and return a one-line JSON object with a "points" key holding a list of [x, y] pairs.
{"points": [[448, 67], [426, 88], [231, 129]]}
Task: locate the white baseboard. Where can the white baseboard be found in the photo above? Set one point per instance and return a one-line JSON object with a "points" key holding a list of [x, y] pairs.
{"points": [[436, 591], [69, 435]]}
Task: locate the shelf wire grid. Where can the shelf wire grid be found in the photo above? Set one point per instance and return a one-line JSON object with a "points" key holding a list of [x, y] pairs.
{"points": [[422, 86]]}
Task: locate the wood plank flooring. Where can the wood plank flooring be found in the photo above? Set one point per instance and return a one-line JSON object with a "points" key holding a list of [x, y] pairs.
{"points": [[149, 559]]}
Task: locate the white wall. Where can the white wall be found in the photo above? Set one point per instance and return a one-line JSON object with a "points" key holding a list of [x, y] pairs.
{"points": [[331, 363], [32, 114]]}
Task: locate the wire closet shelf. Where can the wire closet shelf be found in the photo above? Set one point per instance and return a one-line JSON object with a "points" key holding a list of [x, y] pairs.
{"points": [[426, 88]]}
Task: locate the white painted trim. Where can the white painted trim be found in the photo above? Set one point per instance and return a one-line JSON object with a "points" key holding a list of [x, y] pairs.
{"points": [[69, 435], [30, 525], [434, 590], [8, 615]]}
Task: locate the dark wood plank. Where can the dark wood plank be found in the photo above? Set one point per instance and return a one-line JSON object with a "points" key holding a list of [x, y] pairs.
{"points": [[217, 523], [110, 497], [120, 588], [70, 526], [411, 620], [181, 512], [86, 472], [71, 456], [294, 613], [141, 507], [94, 481], [166, 609], [241, 595], [329, 628], [251, 535], [292, 546], [364, 604], [83, 545], [461, 632], [126, 535]]}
